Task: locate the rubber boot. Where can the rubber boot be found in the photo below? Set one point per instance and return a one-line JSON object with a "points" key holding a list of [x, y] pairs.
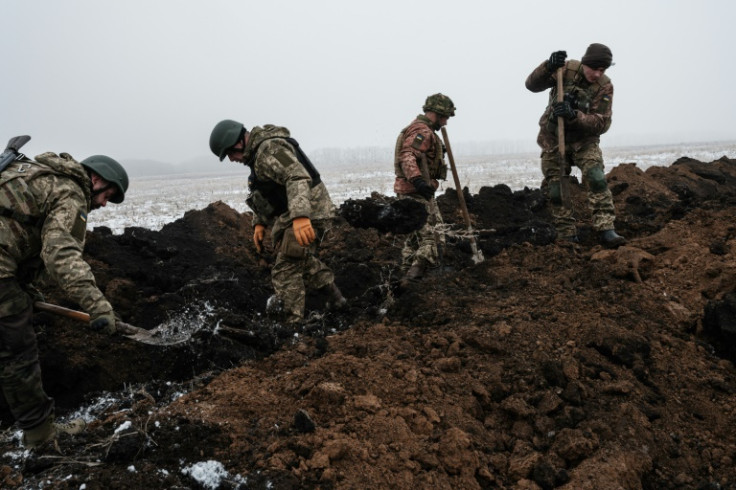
{"points": [[336, 300], [611, 239]]}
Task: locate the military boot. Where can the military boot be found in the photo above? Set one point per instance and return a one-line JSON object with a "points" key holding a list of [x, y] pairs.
{"points": [[274, 306], [49, 430], [415, 272], [336, 300], [611, 239]]}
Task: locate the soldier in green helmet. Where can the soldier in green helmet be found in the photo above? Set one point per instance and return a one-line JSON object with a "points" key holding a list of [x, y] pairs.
{"points": [[287, 195], [419, 163], [586, 110], [43, 219]]}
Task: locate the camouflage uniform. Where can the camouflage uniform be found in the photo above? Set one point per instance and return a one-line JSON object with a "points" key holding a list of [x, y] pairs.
{"points": [[582, 137], [281, 190], [415, 143], [43, 218]]}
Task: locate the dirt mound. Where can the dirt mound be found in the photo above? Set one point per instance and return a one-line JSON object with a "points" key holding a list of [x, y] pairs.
{"points": [[545, 366]]}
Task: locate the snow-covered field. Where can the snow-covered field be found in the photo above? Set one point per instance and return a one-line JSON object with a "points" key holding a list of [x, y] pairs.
{"points": [[151, 202]]}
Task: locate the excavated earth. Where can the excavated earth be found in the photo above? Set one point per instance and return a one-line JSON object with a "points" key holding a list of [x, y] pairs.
{"points": [[548, 365]]}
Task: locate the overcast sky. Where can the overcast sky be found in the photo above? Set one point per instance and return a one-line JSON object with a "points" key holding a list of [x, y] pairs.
{"points": [[150, 78]]}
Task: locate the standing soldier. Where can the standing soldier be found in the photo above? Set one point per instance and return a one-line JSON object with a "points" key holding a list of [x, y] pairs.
{"points": [[419, 162], [587, 110], [43, 219], [287, 195]]}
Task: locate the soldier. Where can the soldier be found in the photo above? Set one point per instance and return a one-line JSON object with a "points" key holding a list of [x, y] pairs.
{"points": [[287, 195], [419, 161], [586, 109], [43, 218]]}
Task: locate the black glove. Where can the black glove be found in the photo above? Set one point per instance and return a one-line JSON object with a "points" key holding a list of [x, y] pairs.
{"points": [[556, 60], [564, 109], [105, 323], [34, 293], [423, 189]]}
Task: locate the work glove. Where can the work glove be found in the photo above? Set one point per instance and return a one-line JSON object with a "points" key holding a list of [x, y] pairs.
{"points": [[556, 60], [104, 323], [303, 231], [423, 189], [35, 294], [564, 109], [259, 231]]}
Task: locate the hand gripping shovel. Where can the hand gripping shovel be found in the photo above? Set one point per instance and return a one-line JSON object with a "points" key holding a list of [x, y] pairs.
{"points": [[155, 336], [477, 253], [564, 178]]}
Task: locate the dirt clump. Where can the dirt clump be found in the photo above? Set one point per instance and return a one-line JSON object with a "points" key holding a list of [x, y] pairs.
{"points": [[548, 365]]}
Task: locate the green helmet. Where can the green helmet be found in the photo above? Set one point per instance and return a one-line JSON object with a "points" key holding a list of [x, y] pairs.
{"points": [[111, 171], [224, 136], [441, 104]]}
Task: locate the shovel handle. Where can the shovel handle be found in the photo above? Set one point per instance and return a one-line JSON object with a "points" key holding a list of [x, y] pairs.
{"points": [[81, 316], [561, 120], [61, 311], [456, 179]]}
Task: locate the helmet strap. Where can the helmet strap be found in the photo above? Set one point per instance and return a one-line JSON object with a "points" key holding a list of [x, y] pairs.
{"points": [[100, 191]]}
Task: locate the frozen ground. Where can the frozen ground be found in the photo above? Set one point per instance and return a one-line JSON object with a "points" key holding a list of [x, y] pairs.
{"points": [[152, 202]]}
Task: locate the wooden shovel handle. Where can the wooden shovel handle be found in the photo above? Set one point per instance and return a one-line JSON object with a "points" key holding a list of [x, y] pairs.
{"points": [[80, 315], [561, 120], [456, 179]]}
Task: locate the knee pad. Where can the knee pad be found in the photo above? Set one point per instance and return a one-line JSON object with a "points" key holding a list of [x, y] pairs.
{"points": [[596, 180], [555, 194]]}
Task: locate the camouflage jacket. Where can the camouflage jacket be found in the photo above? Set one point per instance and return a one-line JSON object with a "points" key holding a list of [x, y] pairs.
{"points": [[418, 141], [275, 165], [44, 205], [594, 103]]}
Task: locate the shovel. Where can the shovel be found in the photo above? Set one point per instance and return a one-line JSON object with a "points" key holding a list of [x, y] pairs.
{"points": [[564, 178], [477, 253], [154, 337]]}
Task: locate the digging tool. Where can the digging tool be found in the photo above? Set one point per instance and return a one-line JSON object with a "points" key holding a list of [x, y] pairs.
{"points": [[153, 337], [477, 253], [564, 178], [11, 151]]}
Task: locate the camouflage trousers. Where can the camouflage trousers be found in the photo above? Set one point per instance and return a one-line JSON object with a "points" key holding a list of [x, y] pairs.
{"points": [[20, 370], [424, 244], [297, 268], [589, 159]]}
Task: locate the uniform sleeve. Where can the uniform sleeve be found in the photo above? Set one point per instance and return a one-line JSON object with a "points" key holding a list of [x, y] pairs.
{"points": [[540, 79], [62, 236], [598, 119], [277, 161], [417, 141]]}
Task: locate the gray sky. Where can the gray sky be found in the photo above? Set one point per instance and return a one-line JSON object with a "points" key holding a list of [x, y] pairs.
{"points": [[150, 78]]}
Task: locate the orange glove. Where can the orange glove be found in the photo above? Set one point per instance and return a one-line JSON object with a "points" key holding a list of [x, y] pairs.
{"points": [[258, 233], [303, 231]]}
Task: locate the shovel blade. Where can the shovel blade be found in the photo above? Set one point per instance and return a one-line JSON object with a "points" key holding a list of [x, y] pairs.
{"points": [[152, 337]]}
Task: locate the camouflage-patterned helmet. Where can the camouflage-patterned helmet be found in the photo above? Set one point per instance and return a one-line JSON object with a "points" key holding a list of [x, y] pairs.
{"points": [[111, 171], [225, 135], [441, 104]]}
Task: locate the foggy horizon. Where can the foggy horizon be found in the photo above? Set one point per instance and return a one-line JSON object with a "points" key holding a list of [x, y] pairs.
{"points": [[148, 80]]}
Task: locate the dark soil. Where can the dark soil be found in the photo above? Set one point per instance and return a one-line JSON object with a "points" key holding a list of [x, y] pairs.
{"points": [[548, 365]]}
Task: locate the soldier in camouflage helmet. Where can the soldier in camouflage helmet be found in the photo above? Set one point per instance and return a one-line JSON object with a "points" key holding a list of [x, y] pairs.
{"points": [[419, 147], [43, 217], [287, 195], [587, 110]]}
